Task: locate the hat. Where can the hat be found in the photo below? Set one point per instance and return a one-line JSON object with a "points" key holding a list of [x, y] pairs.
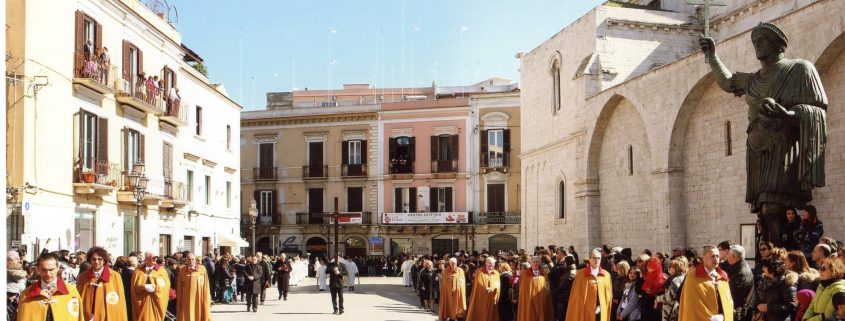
{"points": [[765, 26]]}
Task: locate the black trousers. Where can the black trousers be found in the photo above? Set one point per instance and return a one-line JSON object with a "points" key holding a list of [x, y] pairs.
{"points": [[337, 297], [251, 301], [263, 293]]}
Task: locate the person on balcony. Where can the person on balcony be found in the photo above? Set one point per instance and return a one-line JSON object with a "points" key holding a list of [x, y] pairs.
{"points": [[105, 64], [173, 99]]}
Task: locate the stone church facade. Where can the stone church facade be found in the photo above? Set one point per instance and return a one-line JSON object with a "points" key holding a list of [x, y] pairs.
{"points": [[628, 140]]}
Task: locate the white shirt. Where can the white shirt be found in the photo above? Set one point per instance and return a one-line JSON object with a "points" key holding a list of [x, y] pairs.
{"points": [[594, 271], [49, 287]]}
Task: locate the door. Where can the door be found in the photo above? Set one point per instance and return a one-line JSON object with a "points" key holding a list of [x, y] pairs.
{"points": [[265, 161], [315, 205], [495, 198], [354, 199]]}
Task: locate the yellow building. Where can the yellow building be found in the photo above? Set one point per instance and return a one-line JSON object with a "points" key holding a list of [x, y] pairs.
{"points": [[89, 116]]}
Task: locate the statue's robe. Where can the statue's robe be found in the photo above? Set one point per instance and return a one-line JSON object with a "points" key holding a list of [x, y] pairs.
{"points": [[103, 297], [453, 303], [535, 298], [484, 304], [785, 161], [148, 306], [588, 292], [193, 294], [698, 296]]}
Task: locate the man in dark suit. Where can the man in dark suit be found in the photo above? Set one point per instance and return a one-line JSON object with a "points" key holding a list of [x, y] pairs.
{"points": [[253, 284], [336, 273], [283, 268], [265, 278], [126, 277]]}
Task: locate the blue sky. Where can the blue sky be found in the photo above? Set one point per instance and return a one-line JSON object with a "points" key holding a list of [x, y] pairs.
{"points": [[285, 44]]}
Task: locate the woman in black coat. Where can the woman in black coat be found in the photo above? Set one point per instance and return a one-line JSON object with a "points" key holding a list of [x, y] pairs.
{"points": [[776, 290], [436, 278], [424, 284], [506, 311]]}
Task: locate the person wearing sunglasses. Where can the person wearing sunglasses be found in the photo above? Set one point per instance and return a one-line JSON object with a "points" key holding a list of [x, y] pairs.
{"points": [[821, 308]]}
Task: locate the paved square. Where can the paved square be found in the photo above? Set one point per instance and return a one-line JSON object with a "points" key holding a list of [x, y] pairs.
{"points": [[377, 298]]}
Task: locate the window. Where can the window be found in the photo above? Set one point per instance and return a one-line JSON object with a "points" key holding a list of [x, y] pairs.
{"points": [[89, 36], [440, 199], [630, 160], [199, 121], [93, 141], [444, 153], [355, 199], [728, 143], [84, 226], [315, 204], [354, 152], [190, 183], [133, 66], [496, 198], [167, 161], [130, 236], [265, 202], [228, 194], [164, 244], [228, 136], [555, 71], [401, 155], [405, 200], [561, 194], [133, 141], [168, 79], [188, 243], [207, 190]]}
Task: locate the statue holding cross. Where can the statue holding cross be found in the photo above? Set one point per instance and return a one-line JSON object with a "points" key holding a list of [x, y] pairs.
{"points": [[335, 216], [707, 4]]}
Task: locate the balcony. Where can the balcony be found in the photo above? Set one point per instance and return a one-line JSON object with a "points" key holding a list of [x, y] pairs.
{"points": [[444, 166], [143, 96], [176, 113], [96, 177], [353, 170], [497, 218], [154, 195], [307, 219], [315, 172], [265, 173], [495, 163], [96, 76], [401, 169], [263, 219], [175, 195]]}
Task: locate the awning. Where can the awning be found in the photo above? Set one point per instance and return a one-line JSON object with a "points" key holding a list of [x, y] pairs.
{"points": [[227, 239]]}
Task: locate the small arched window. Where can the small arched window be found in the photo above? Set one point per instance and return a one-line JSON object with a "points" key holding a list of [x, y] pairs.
{"points": [[728, 143], [630, 160], [555, 73], [561, 191]]}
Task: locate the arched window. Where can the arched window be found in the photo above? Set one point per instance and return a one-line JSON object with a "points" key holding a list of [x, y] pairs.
{"points": [[561, 191], [555, 73], [728, 144], [630, 160]]}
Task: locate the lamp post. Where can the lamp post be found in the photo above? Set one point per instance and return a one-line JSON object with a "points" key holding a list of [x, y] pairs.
{"points": [[138, 180], [253, 215]]}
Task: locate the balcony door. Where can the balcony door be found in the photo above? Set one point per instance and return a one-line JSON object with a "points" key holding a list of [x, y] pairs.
{"points": [[315, 159], [265, 160], [495, 198], [315, 204]]}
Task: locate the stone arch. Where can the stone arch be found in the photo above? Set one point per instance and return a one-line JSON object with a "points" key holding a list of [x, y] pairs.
{"points": [[830, 54], [679, 128], [615, 196]]}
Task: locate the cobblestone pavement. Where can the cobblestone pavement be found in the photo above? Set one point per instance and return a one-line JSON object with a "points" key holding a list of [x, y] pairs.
{"points": [[376, 298]]}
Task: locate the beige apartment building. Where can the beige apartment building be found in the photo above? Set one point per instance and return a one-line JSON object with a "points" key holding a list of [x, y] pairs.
{"points": [[107, 143]]}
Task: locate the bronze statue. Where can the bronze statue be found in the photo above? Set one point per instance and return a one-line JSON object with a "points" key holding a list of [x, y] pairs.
{"points": [[786, 127]]}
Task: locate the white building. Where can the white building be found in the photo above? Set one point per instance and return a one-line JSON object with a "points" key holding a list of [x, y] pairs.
{"points": [[76, 126]]}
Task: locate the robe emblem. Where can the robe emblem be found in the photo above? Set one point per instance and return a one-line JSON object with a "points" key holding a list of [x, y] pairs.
{"points": [[73, 307], [112, 298]]}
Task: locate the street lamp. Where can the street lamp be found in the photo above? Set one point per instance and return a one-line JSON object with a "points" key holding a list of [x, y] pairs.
{"points": [[253, 215], [138, 181]]}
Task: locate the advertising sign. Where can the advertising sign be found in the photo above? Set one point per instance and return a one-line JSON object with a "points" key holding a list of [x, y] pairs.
{"points": [[425, 218], [347, 220], [376, 245]]}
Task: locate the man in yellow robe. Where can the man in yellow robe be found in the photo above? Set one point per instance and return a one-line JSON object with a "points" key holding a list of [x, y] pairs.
{"points": [[591, 294], [193, 294], [101, 289], [150, 291], [453, 303], [535, 298], [49, 296], [705, 293], [484, 300]]}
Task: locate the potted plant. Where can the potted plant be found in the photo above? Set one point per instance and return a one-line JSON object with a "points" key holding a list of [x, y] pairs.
{"points": [[88, 176]]}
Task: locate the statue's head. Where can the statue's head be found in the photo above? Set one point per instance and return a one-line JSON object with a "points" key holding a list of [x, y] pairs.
{"points": [[768, 40]]}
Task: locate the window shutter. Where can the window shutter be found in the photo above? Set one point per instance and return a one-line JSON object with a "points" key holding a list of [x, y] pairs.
{"points": [[363, 152], [98, 40], [80, 41], [273, 203], [483, 145], [174, 78], [344, 154], [397, 200], [81, 135], [433, 200], [448, 199], [102, 139], [391, 148], [506, 137], [141, 149], [412, 194], [141, 61], [453, 152], [126, 163], [126, 63], [434, 141], [413, 148]]}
